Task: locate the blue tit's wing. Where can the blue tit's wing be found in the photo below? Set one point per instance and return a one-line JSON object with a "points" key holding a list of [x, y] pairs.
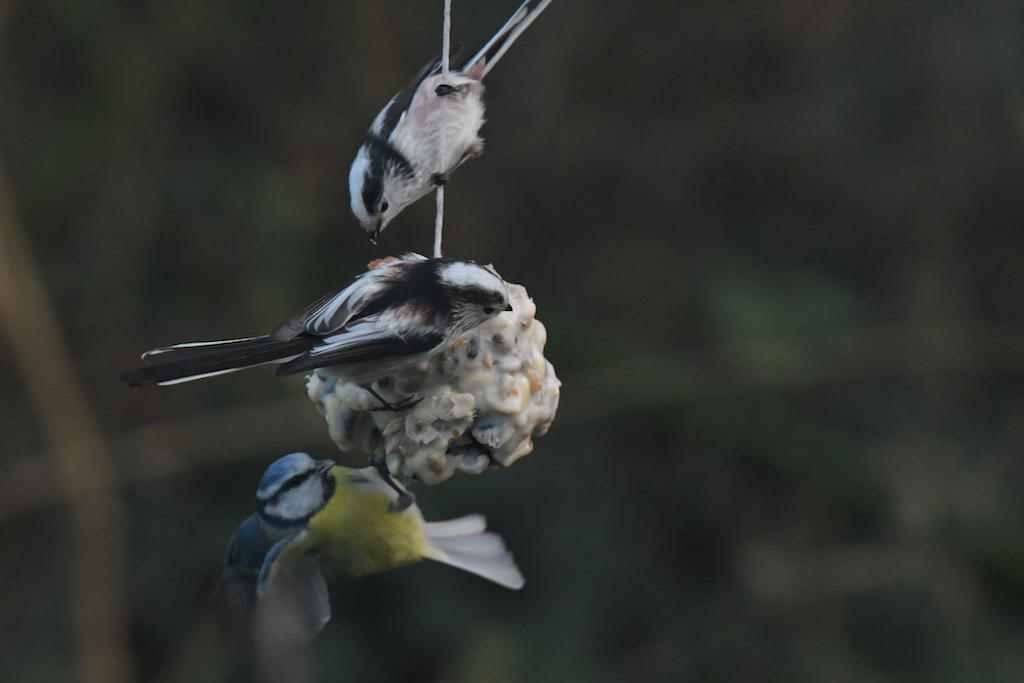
{"points": [[236, 590], [292, 593], [267, 566], [366, 341], [247, 547], [245, 552], [331, 312]]}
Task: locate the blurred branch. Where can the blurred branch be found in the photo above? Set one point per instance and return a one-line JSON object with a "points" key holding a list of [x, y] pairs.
{"points": [[654, 381], [201, 647], [5, 9], [782, 573], [792, 363], [172, 447], [79, 454]]}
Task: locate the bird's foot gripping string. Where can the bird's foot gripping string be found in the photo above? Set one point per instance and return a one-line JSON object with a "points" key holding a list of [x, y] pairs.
{"points": [[404, 499], [442, 91]]}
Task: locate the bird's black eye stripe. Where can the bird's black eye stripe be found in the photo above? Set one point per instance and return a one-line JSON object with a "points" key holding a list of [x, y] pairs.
{"points": [[482, 297], [295, 481], [373, 188], [384, 155]]}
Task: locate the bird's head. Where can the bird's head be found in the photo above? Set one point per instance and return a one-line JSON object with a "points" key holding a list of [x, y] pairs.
{"points": [[293, 489], [476, 292], [375, 185]]}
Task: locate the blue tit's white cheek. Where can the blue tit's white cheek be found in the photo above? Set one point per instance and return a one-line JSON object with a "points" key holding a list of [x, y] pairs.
{"points": [[297, 503]]}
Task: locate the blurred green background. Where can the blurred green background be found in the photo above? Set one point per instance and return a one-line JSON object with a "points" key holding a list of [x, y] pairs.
{"points": [[778, 250]]}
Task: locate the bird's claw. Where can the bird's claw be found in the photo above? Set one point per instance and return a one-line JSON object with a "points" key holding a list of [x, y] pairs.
{"points": [[404, 404], [402, 503], [404, 499]]}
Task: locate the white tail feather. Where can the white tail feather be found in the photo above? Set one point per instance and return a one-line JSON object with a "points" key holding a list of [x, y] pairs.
{"points": [[463, 543], [463, 526], [190, 378], [194, 345], [501, 570], [182, 380], [480, 545]]}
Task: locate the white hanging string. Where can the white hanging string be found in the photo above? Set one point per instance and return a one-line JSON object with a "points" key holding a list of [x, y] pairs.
{"points": [[446, 30], [439, 221]]}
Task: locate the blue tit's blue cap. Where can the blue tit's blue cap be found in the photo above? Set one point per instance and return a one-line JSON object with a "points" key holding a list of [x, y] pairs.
{"points": [[280, 470]]}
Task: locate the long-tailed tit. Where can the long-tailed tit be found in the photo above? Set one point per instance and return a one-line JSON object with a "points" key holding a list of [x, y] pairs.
{"points": [[389, 318], [427, 130]]}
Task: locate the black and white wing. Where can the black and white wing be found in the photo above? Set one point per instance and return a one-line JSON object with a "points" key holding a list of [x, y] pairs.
{"points": [[333, 311], [368, 340], [372, 302], [391, 115]]}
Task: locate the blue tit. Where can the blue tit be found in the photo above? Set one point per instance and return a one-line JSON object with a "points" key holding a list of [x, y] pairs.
{"points": [[313, 514]]}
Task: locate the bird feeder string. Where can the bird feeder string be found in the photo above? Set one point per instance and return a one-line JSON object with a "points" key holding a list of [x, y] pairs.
{"points": [[446, 30]]}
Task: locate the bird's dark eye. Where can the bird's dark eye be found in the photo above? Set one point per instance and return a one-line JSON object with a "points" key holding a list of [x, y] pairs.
{"points": [[489, 310], [383, 207]]}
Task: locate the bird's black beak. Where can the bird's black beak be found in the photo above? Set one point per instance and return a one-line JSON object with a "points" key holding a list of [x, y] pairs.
{"points": [[324, 465], [375, 233], [508, 307]]}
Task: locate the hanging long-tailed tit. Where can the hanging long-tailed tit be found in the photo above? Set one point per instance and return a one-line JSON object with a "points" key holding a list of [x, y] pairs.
{"points": [[427, 130], [389, 318]]}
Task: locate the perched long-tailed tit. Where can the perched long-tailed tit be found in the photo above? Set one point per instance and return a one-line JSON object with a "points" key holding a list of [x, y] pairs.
{"points": [[403, 156], [389, 318]]}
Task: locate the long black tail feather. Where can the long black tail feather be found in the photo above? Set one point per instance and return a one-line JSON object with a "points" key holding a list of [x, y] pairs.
{"points": [[184, 362]]}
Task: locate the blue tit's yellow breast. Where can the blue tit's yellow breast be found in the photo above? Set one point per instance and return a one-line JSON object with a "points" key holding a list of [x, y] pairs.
{"points": [[356, 531]]}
